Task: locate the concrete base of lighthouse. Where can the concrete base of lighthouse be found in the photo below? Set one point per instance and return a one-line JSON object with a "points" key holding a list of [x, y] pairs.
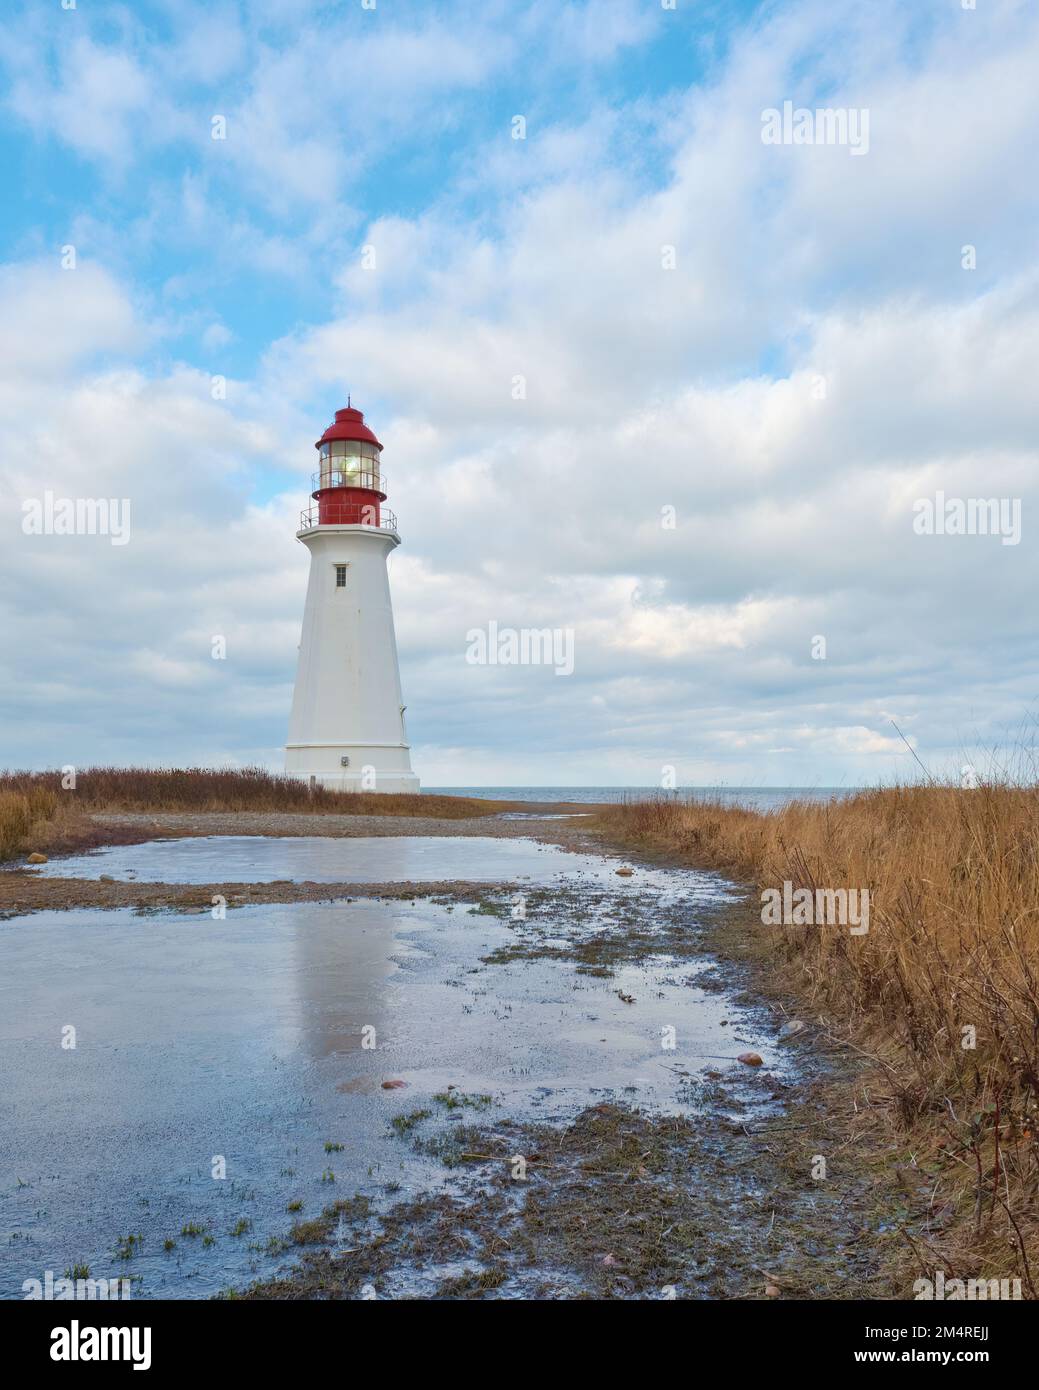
{"points": [[367, 769]]}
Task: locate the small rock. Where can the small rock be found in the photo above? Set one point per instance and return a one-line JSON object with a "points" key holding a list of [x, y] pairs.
{"points": [[792, 1028], [625, 873], [393, 1085], [36, 858], [771, 1291], [750, 1059]]}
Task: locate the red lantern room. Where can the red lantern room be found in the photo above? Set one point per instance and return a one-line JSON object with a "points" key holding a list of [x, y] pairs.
{"points": [[348, 486]]}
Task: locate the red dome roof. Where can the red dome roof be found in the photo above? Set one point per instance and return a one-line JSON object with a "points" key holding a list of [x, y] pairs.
{"points": [[348, 424]]}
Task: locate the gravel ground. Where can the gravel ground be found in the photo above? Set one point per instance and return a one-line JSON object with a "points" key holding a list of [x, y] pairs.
{"points": [[157, 825]]}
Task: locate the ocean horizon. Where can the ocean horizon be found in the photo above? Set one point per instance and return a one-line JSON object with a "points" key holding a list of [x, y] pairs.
{"points": [[753, 798]]}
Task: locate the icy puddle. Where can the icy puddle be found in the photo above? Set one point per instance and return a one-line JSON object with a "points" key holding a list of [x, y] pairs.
{"points": [[324, 859], [225, 1070]]}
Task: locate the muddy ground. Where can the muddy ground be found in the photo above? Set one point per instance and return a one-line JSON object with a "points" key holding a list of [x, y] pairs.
{"points": [[726, 1202], [618, 1204], [731, 1201], [22, 892]]}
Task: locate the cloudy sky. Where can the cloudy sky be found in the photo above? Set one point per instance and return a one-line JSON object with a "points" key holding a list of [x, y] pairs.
{"points": [[640, 313]]}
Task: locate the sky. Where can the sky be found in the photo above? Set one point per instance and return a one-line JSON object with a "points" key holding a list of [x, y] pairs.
{"points": [[644, 375]]}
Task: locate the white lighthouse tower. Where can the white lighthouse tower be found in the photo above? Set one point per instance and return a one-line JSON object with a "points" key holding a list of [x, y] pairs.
{"points": [[346, 730]]}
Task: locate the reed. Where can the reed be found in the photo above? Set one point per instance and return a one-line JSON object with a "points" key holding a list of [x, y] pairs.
{"points": [[942, 993], [30, 797], [20, 812]]}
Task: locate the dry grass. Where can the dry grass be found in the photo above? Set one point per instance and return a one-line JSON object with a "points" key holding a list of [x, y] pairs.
{"points": [[953, 943], [22, 813], [29, 799]]}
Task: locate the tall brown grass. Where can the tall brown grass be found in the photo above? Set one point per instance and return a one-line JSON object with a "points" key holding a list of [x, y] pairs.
{"points": [[40, 795], [953, 945], [20, 813]]}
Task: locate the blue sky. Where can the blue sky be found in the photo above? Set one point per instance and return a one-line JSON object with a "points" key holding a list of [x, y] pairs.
{"points": [[815, 361], [126, 199]]}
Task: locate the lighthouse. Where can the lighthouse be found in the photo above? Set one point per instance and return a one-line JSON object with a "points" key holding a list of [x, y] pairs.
{"points": [[346, 730]]}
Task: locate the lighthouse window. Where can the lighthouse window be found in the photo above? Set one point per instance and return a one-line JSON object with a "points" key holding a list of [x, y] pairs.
{"points": [[340, 576]]}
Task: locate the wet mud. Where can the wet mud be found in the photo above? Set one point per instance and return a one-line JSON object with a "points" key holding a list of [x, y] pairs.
{"points": [[553, 1107]]}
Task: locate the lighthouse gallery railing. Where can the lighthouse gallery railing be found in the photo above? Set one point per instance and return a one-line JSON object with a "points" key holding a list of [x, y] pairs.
{"points": [[347, 514]]}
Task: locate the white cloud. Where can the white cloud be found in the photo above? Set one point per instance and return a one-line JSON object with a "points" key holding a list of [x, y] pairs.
{"points": [[696, 389], [97, 99]]}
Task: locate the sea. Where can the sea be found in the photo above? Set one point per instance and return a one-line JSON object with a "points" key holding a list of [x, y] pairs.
{"points": [[751, 798]]}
